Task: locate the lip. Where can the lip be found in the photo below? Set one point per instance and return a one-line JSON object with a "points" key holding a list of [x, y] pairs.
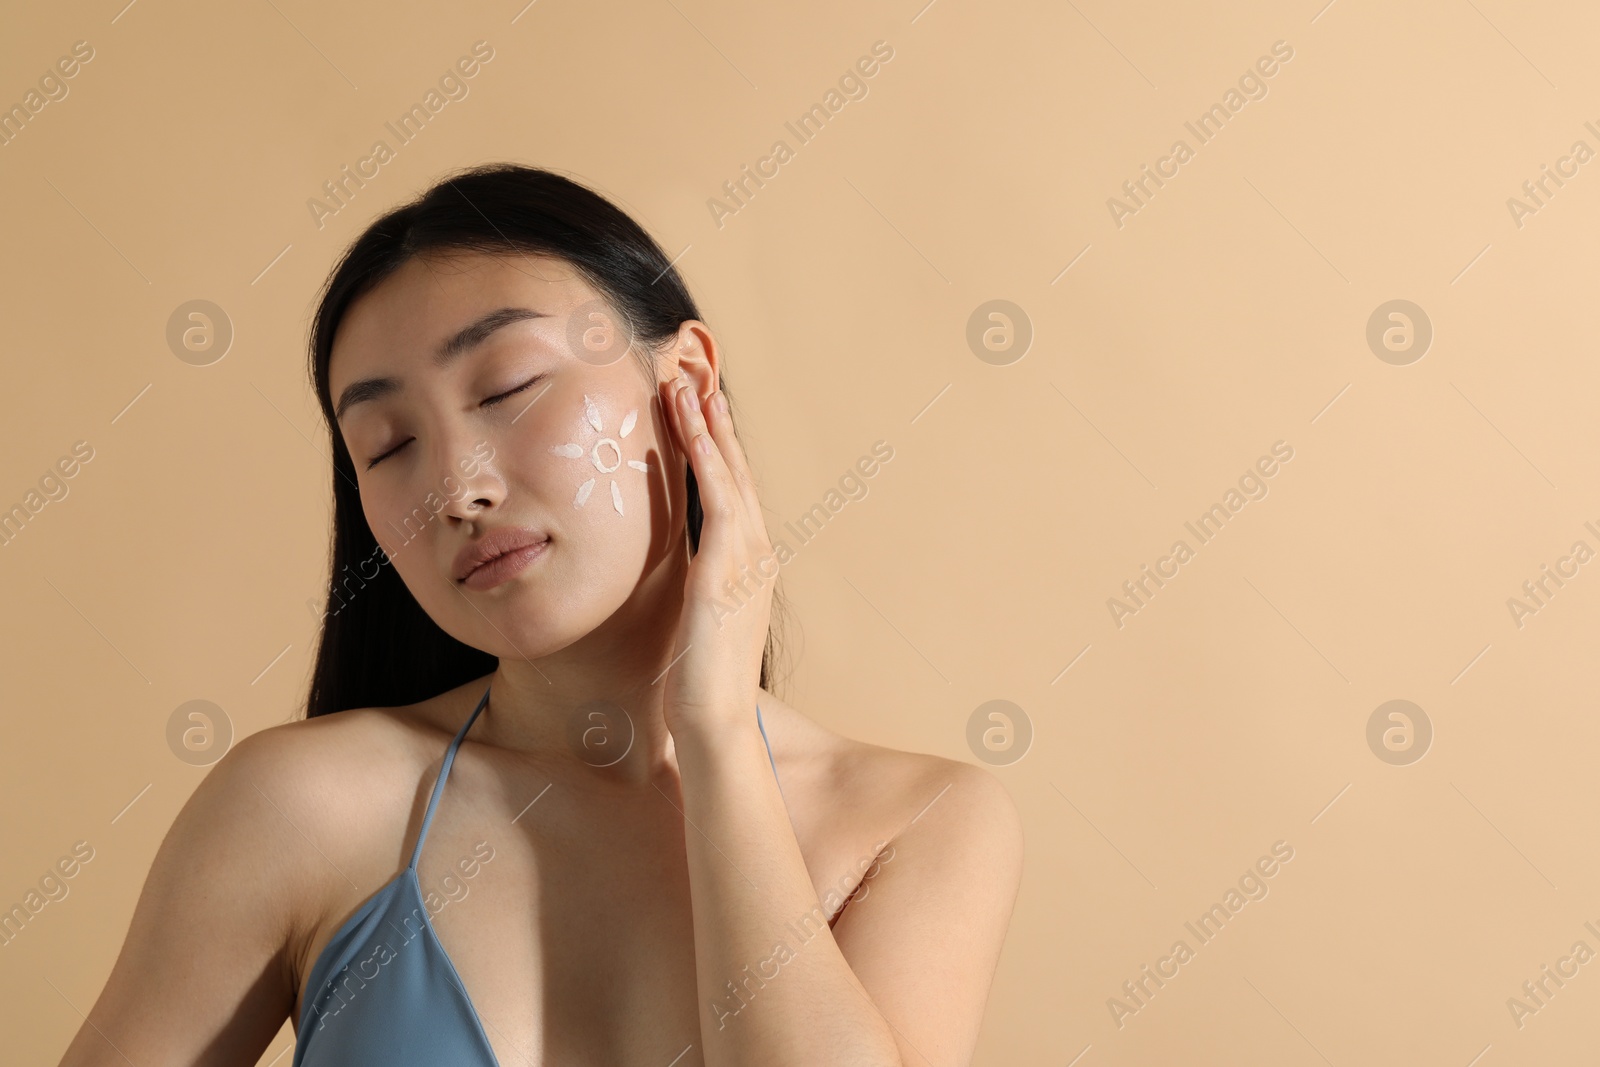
{"points": [[498, 555], [503, 567]]}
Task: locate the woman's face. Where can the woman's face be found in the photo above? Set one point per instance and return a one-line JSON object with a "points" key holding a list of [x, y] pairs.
{"points": [[532, 419]]}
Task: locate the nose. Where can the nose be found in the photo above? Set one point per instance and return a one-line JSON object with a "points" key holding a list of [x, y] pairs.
{"points": [[472, 481]]}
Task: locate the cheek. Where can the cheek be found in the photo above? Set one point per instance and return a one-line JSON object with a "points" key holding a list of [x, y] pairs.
{"points": [[593, 457], [386, 518]]}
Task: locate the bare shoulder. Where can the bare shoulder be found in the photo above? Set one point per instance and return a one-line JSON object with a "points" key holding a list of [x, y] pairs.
{"points": [[870, 793], [263, 845], [331, 788], [922, 922], [297, 776], [333, 766], [331, 759]]}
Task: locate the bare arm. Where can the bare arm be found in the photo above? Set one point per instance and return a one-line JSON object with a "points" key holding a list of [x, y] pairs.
{"points": [[774, 986], [902, 982], [902, 978], [925, 932], [204, 976]]}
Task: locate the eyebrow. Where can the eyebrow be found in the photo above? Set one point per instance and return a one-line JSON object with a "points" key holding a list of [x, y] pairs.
{"points": [[468, 337]]}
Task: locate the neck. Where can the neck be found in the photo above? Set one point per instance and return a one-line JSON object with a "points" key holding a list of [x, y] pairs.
{"points": [[596, 706]]}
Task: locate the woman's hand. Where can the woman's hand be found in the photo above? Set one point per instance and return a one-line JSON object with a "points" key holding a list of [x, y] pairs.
{"points": [[716, 666]]}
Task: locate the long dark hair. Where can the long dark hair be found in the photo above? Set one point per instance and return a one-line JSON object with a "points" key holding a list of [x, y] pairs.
{"points": [[378, 648]]}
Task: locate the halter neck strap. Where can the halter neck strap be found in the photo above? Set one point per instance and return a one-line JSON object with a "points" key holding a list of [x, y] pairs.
{"points": [[444, 773]]}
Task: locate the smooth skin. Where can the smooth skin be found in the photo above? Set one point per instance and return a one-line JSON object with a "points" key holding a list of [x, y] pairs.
{"points": [[620, 900]]}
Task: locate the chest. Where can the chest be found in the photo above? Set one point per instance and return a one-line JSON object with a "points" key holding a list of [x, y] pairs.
{"points": [[573, 940], [567, 925]]}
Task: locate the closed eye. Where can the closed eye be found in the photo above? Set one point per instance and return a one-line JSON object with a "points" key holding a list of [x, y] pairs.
{"points": [[379, 459], [513, 392], [486, 403]]}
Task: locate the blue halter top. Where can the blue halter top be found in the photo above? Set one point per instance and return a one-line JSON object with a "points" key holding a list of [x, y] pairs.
{"points": [[383, 991]]}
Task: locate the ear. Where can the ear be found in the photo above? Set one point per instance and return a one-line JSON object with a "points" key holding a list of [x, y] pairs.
{"points": [[695, 352]]}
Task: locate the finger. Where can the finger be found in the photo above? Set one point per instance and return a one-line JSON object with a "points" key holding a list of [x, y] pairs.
{"points": [[668, 397], [717, 491], [721, 422]]}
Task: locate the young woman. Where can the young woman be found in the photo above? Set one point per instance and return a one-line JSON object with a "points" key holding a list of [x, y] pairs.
{"points": [[545, 657]]}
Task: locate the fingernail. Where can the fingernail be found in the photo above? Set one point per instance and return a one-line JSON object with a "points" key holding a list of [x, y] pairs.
{"points": [[720, 402]]}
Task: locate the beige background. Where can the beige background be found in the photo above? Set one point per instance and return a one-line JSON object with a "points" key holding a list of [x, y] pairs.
{"points": [[1228, 313]]}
